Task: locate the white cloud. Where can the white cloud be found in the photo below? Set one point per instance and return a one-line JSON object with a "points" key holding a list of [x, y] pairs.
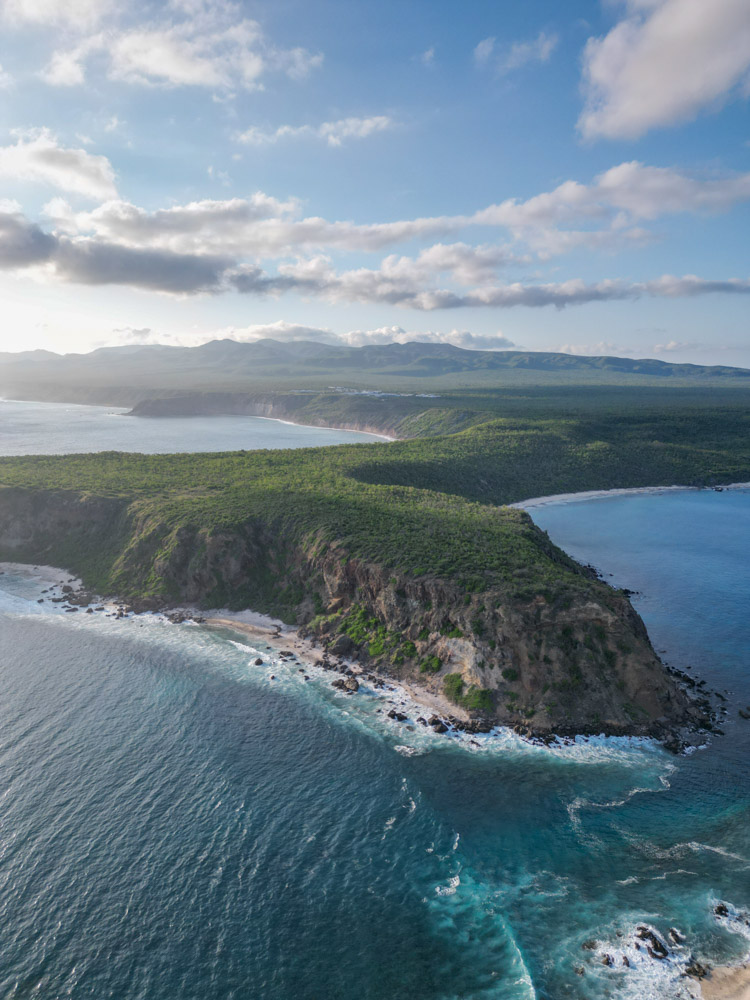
{"points": [[291, 333], [666, 61], [484, 50], [72, 13], [518, 55], [627, 193], [397, 335], [37, 156], [427, 58], [6, 80], [603, 215], [403, 281], [523, 53], [675, 345], [210, 46], [334, 133]]}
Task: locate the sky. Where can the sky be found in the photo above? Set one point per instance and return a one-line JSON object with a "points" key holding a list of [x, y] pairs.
{"points": [[540, 176]]}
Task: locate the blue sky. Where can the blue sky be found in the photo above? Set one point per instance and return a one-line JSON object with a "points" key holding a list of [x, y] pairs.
{"points": [[554, 177]]}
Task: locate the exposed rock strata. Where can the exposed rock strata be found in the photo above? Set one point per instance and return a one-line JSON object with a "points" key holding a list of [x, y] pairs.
{"points": [[581, 665]]}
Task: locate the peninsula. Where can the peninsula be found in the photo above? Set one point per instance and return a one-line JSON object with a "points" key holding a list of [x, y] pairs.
{"points": [[405, 556]]}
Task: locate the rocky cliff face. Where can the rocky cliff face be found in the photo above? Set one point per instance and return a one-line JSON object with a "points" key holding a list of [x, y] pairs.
{"points": [[583, 664]]}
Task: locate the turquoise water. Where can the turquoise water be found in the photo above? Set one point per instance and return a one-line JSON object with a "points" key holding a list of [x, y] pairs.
{"points": [[28, 428], [176, 824]]}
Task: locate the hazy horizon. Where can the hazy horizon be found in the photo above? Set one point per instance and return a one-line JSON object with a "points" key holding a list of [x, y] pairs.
{"points": [[530, 176]]}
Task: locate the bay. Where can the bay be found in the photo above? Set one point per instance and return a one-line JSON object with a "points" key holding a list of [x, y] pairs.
{"points": [[29, 428]]}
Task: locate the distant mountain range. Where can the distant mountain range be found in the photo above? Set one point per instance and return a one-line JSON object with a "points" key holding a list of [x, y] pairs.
{"points": [[127, 374]]}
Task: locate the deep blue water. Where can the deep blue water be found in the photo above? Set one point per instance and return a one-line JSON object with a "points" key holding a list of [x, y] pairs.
{"points": [[175, 824], [28, 428]]}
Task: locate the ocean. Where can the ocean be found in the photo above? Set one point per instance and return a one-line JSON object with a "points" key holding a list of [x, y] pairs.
{"points": [[177, 822]]}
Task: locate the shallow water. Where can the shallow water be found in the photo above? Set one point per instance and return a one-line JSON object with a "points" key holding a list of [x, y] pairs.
{"points": [[174, 823], [28, 428]]}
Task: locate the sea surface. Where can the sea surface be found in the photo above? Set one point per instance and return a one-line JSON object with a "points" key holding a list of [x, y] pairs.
{"points": [[28, 428], [177, 823]]}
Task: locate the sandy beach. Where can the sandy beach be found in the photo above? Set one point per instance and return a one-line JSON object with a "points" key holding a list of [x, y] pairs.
{"points": [[727, 983], [261, 626], [604, 494]]}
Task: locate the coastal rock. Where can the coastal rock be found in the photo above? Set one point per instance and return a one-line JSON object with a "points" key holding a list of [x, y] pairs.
{"points": [[437, 724], [342, 646], [258, 662], [696, 969], [654, 946]]}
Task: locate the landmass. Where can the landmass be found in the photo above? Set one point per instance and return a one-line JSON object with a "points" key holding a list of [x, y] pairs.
{"points": [[406, 557]]}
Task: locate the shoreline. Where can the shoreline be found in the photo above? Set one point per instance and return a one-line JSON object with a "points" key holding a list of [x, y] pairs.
{"points": [[405, 701], [294, 423], [584, 495], [128, 412], [263, 626]]}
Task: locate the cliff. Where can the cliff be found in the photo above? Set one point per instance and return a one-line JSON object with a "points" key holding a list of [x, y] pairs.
{"points": [[394, 415], [573, 657]]}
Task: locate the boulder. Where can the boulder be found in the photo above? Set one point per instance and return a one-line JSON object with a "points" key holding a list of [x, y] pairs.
{"points": [[341, 646]]}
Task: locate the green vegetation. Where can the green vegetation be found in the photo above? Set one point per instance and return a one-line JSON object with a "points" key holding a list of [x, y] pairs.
{"points": [[430, 664], [425, 508], [474, 699]]}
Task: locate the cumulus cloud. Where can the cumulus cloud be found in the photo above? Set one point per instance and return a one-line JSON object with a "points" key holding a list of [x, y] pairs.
{"points": [[211, 45], [457, 338], [295, 332], [628, 193], [260, 226], [22, 243], [602, 215], [37, 156], [396, 282], [403, 281], [663, 63], [334, 133]]}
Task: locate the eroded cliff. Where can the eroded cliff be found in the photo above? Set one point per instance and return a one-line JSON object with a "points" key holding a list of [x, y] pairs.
{"points": [[575, 659]]}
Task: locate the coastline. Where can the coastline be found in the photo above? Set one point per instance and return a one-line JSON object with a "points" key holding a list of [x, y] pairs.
{"points": [[256, 625], [128, 412], [728, 982], [584, 495], [295, 423]]}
